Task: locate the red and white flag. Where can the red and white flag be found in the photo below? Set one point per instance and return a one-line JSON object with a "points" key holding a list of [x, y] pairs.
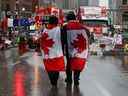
{"points": [[77, 46], [53, 57]]}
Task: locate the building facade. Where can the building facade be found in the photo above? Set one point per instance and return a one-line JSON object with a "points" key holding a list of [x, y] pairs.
{"points": [[26, 4], [6, 7], [23, 7], [65, 4], [70, 4], [93, 2], [14, 7], [123, 14], [11, 5], [0, 10], [83, 2], [113, 10], [119, 13]]}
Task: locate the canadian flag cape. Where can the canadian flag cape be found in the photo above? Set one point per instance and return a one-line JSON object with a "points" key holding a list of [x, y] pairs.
{"points": [[52, 49], [77, 45]]}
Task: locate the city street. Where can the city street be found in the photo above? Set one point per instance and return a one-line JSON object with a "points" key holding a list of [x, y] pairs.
{"points": [[72, 27], [25, 76]]}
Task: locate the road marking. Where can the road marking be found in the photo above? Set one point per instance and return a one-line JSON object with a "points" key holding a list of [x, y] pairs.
{"points": [[102, 89]]}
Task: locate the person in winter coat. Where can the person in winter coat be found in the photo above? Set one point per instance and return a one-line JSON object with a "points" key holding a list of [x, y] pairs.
{"points": [[75, 46], [51, 48]]}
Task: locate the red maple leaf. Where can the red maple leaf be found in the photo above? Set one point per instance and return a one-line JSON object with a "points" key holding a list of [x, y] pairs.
{"points": [[79, 43], [46, 43]]}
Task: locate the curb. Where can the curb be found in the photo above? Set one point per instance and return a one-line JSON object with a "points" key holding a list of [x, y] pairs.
{"points": [[106, 53]]}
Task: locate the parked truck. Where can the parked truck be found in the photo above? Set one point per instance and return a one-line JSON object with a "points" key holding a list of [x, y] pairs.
{"points": [[95, 18]]}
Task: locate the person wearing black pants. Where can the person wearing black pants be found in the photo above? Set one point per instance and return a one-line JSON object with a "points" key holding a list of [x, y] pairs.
{"points": [[53, 76], [75, 47], [51, 48], [69, 73]]}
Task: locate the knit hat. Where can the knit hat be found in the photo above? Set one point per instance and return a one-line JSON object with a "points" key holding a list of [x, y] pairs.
{"points": [[71, 16], [53, 20]]}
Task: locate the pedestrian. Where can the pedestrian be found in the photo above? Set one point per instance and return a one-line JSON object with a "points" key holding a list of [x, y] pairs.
{"points": [[118, 41], [51, 48], [91, 38], [37, 49], [75, 46], [22, 45]]}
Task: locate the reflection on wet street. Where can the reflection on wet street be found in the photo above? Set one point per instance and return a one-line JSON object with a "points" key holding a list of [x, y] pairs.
{"points": [[25, 76], [4, 76], [20, 81]]}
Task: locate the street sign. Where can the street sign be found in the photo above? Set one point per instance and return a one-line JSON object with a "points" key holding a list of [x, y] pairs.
{"points": [[24, 22], [117, 26], [15, 22]]}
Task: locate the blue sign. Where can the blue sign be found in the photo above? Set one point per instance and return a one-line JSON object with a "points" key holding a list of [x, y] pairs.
{"points": [[24, 22], [16, 22]]}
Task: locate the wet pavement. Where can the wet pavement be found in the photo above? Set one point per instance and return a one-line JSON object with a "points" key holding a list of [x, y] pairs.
{"points": [[25, 76]]}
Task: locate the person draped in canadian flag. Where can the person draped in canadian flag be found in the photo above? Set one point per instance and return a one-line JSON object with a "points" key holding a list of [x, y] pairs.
{"points": [[52, 53], [75, 44]]}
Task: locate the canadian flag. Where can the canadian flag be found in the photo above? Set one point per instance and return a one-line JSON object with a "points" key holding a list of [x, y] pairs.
{"points": [[77, 46], [53, 57]]}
